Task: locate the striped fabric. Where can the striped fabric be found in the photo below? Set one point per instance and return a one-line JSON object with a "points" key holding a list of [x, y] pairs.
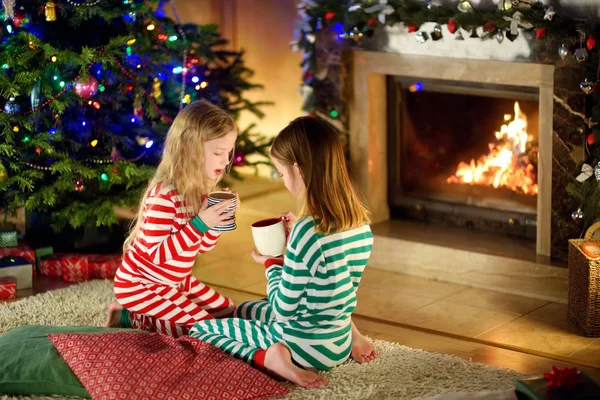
{"points": [[155, 279], [311, 296]]}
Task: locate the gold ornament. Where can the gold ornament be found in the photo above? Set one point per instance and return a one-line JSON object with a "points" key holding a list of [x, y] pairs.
{"points": [[50, 11], [156, 92]]}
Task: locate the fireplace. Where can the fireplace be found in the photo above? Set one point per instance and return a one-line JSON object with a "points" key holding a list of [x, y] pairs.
{"points": [[463, 154]]}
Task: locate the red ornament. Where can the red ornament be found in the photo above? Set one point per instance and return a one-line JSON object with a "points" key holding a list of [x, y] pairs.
{"points": [[129, 87], [540, 33], [489, 27], [591, 139], [590, 43], [86, 88], [565, 377], [451, 26], [19, 17], [238, 158], [329, 15], [411, 28], [307, 76], [372, 21], [38, 150]]}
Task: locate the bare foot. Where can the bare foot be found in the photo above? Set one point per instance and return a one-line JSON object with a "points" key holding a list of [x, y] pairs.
{"points": [[278, 359], [114, 316], [362, 350]]}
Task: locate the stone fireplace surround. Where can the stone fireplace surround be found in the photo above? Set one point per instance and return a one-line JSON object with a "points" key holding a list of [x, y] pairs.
{"points": [[532, 275]]}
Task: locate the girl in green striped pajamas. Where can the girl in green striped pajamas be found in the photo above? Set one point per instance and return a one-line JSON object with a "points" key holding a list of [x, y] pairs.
{"points": [[305, 324]]}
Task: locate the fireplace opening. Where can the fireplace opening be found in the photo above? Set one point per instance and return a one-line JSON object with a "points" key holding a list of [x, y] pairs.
{"points": [[464, 154]]}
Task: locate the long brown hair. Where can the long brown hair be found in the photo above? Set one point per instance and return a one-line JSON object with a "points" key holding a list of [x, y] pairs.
{"points": [[315, 146], [182, 163]]}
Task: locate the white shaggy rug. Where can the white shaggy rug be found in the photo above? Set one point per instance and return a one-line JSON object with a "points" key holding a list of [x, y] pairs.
{"points": [[399, 372]]}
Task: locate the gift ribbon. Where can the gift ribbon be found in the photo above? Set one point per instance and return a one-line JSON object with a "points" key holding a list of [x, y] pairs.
{"points": [[586, 172], [516, 21], [384, 10]]}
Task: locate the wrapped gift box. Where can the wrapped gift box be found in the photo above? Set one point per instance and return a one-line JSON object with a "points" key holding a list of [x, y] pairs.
{"points": [[51, 266], [8, 288], [18, 268], [23, 251], [74, 267], [103, 266], [8, 237], [40, 253], [537, 389]]}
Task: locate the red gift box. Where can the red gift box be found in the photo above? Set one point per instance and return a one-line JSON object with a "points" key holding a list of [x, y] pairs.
{"points": [[74, 267], [51, 266], [103, 266], [21, 251], [8, 288]]}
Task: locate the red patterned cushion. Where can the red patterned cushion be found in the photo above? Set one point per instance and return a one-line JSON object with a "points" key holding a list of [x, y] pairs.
{"points": [[138, 365]]}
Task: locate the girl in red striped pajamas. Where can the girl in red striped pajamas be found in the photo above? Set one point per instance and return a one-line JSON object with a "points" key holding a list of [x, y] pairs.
{"points": [[154, 287]]}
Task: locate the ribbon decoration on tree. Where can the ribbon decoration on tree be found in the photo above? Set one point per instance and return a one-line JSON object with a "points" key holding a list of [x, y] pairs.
{"points": [[586, 172], [9, 9], [517, 20], [303, 24], [384, 10], [567, 378]]}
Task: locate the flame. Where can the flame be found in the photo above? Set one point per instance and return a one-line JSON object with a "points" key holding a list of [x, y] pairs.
{"points": [[507, 163]]}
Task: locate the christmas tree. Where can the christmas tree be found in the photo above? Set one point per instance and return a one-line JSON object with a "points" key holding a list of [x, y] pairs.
{"points": [[89, 89]]}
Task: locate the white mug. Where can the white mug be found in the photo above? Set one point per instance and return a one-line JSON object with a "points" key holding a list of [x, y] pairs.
{"points": [[269, 236]]}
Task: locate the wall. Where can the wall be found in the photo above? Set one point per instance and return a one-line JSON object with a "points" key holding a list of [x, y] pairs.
{"points": [[264, 29]]}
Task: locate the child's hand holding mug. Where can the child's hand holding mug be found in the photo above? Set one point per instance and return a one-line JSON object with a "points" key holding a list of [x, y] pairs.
{"points": [[289, 219], [217, 214]]}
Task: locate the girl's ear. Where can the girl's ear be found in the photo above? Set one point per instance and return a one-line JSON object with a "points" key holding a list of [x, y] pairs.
{"points": [[298, 170]]}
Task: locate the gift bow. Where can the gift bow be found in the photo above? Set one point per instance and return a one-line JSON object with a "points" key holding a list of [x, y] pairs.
{"points": [[384, 10], [516, 21], [565, 377], [586, 172]]}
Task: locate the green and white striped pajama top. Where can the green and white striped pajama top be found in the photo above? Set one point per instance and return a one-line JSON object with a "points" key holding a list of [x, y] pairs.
{"points": [[311, 296]]}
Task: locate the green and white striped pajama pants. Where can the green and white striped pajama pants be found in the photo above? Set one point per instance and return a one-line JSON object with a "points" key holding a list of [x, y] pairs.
{"points": [[254, 328]]}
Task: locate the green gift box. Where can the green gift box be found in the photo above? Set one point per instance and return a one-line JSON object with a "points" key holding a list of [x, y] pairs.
{"points": [[537, 389], [8, 238], [40, 253]]}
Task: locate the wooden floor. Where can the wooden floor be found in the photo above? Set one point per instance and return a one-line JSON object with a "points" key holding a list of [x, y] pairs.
{"points": [[526, 335]]}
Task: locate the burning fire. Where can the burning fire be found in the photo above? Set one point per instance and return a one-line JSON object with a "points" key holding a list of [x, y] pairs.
{"points": [[506, 164]]}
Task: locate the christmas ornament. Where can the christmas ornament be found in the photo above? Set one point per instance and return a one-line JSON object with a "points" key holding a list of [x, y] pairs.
{"points": [[238, 158], [505, 5], [411, 28], [86, 88], [421, 37], [549, 14], [329, 15], [511, 37], [160, 10], [9, 9], [590, 43], [35, 94], [515, 21], [588, 87], [79, 186], [50, 11], [11, 107], [581, 54], [354, 7], [437, 32], [499, 36], [19, 18], [459, 36], [156, 92], [586, 172], [431, 4], [563, 51], [129, 87], [489, 27], [451, 26], [540, 33], [465, 6], [383, 8], [578, 215], [597, 172], [138, 110], [141, 140], [591, 139]]}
